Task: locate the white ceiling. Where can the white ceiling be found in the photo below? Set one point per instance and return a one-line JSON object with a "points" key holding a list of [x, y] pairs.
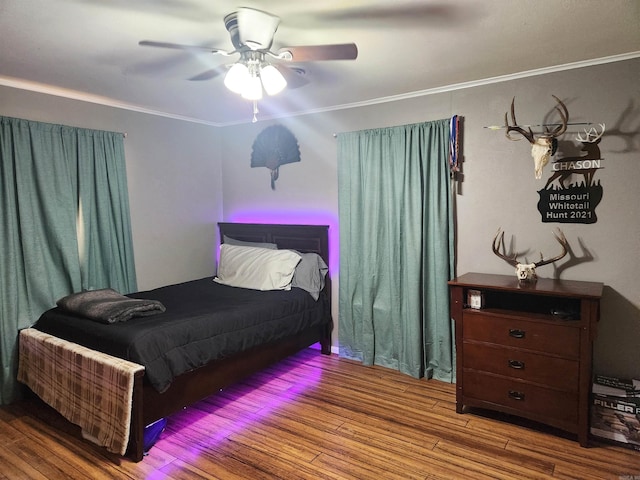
{"points": [[88, 49]]}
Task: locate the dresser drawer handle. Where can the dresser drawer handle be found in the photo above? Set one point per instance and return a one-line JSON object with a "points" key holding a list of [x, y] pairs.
{"points": [[516, 395], [515, 333], [517, 364]]}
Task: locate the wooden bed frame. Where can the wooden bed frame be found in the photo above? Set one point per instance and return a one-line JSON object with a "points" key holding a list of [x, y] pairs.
{"points": [[150, 406]]}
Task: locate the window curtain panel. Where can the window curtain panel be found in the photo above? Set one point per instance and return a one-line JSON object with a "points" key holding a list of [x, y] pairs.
{"points": [[396, 249], [65, 224]]}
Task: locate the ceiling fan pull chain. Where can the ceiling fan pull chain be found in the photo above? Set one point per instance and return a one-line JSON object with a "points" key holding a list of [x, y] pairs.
{"points": [[255, 112]]}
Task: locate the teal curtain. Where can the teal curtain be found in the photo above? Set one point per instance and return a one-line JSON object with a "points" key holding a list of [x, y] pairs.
{"points": [[396, 249], [64, 222]]}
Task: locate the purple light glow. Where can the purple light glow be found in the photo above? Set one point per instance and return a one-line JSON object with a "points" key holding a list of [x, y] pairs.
{"points": [[292, 217], [201, 440]]}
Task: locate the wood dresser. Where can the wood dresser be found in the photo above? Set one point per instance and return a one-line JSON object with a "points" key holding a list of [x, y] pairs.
{"points": [[527, 350]]}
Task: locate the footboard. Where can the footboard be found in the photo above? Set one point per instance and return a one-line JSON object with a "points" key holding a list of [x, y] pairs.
{"points": [[90, 389]]}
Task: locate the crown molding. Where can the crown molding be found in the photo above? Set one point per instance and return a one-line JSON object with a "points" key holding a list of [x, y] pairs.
{"points": [[109, 102], [481, 82], [90, 98]]}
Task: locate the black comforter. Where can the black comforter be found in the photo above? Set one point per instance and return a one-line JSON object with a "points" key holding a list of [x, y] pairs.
{"points": [[204, 321]]}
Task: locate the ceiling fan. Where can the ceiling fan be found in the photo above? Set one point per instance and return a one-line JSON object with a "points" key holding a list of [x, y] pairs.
{"points": [[252, 33]]}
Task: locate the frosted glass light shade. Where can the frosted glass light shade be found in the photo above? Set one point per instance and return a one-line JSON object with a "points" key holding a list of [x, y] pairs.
{"points": [[252, 89], [272, 80], [237, 78]]}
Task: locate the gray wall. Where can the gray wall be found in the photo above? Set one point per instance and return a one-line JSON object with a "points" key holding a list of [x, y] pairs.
{"points": [[498, 190], [183, 177]]}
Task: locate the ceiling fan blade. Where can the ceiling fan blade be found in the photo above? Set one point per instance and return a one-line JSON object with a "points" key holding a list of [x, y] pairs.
{"points": [[257, 28], [208, 74], [178, 46], [164, 65], [295, 77], [417, 13], [309, 53]]}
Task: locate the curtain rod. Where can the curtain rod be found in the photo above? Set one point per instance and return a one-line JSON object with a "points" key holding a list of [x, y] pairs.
{"points": [[501, 127], [496, 127]]}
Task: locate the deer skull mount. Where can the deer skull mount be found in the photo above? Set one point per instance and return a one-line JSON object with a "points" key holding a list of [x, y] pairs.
{"points": [[526, 272], [544, 145]]}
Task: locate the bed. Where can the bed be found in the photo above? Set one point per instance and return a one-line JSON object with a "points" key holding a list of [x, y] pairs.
{"points": [[274, 325]]}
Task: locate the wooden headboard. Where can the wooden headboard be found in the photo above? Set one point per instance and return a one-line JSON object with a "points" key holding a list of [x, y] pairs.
{"points": [[303, 238]]}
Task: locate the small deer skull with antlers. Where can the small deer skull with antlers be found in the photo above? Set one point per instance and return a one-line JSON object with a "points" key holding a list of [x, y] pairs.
{"points": [[526, 272], [544, 146]]}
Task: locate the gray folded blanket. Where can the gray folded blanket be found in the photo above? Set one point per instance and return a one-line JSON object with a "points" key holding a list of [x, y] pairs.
{"points": [[108, 306]]}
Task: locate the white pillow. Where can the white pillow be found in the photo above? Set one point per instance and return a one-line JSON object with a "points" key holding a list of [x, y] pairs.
{"points": [[256, 268]]}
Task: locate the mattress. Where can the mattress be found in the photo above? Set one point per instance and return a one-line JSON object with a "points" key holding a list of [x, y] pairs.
{"points": [[204, 321]]}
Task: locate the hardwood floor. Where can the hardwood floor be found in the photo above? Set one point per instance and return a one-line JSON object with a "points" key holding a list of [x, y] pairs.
{"points": [[314, 417]]}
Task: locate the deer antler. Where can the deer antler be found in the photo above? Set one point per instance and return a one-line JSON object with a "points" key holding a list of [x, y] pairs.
{"points": [[499, 240], [589, 133], [565, 245], [515, 128], [564, 114], [559, 130]]}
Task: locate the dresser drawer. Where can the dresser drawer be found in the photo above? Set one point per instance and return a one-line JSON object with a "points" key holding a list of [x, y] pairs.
{"points": [[533, 401], [557, 339], [555, 372]]}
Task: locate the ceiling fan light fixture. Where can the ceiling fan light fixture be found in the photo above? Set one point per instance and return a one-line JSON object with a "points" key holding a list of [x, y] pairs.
{"points": [[252, 33], [272, 80], [237, 78]]}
